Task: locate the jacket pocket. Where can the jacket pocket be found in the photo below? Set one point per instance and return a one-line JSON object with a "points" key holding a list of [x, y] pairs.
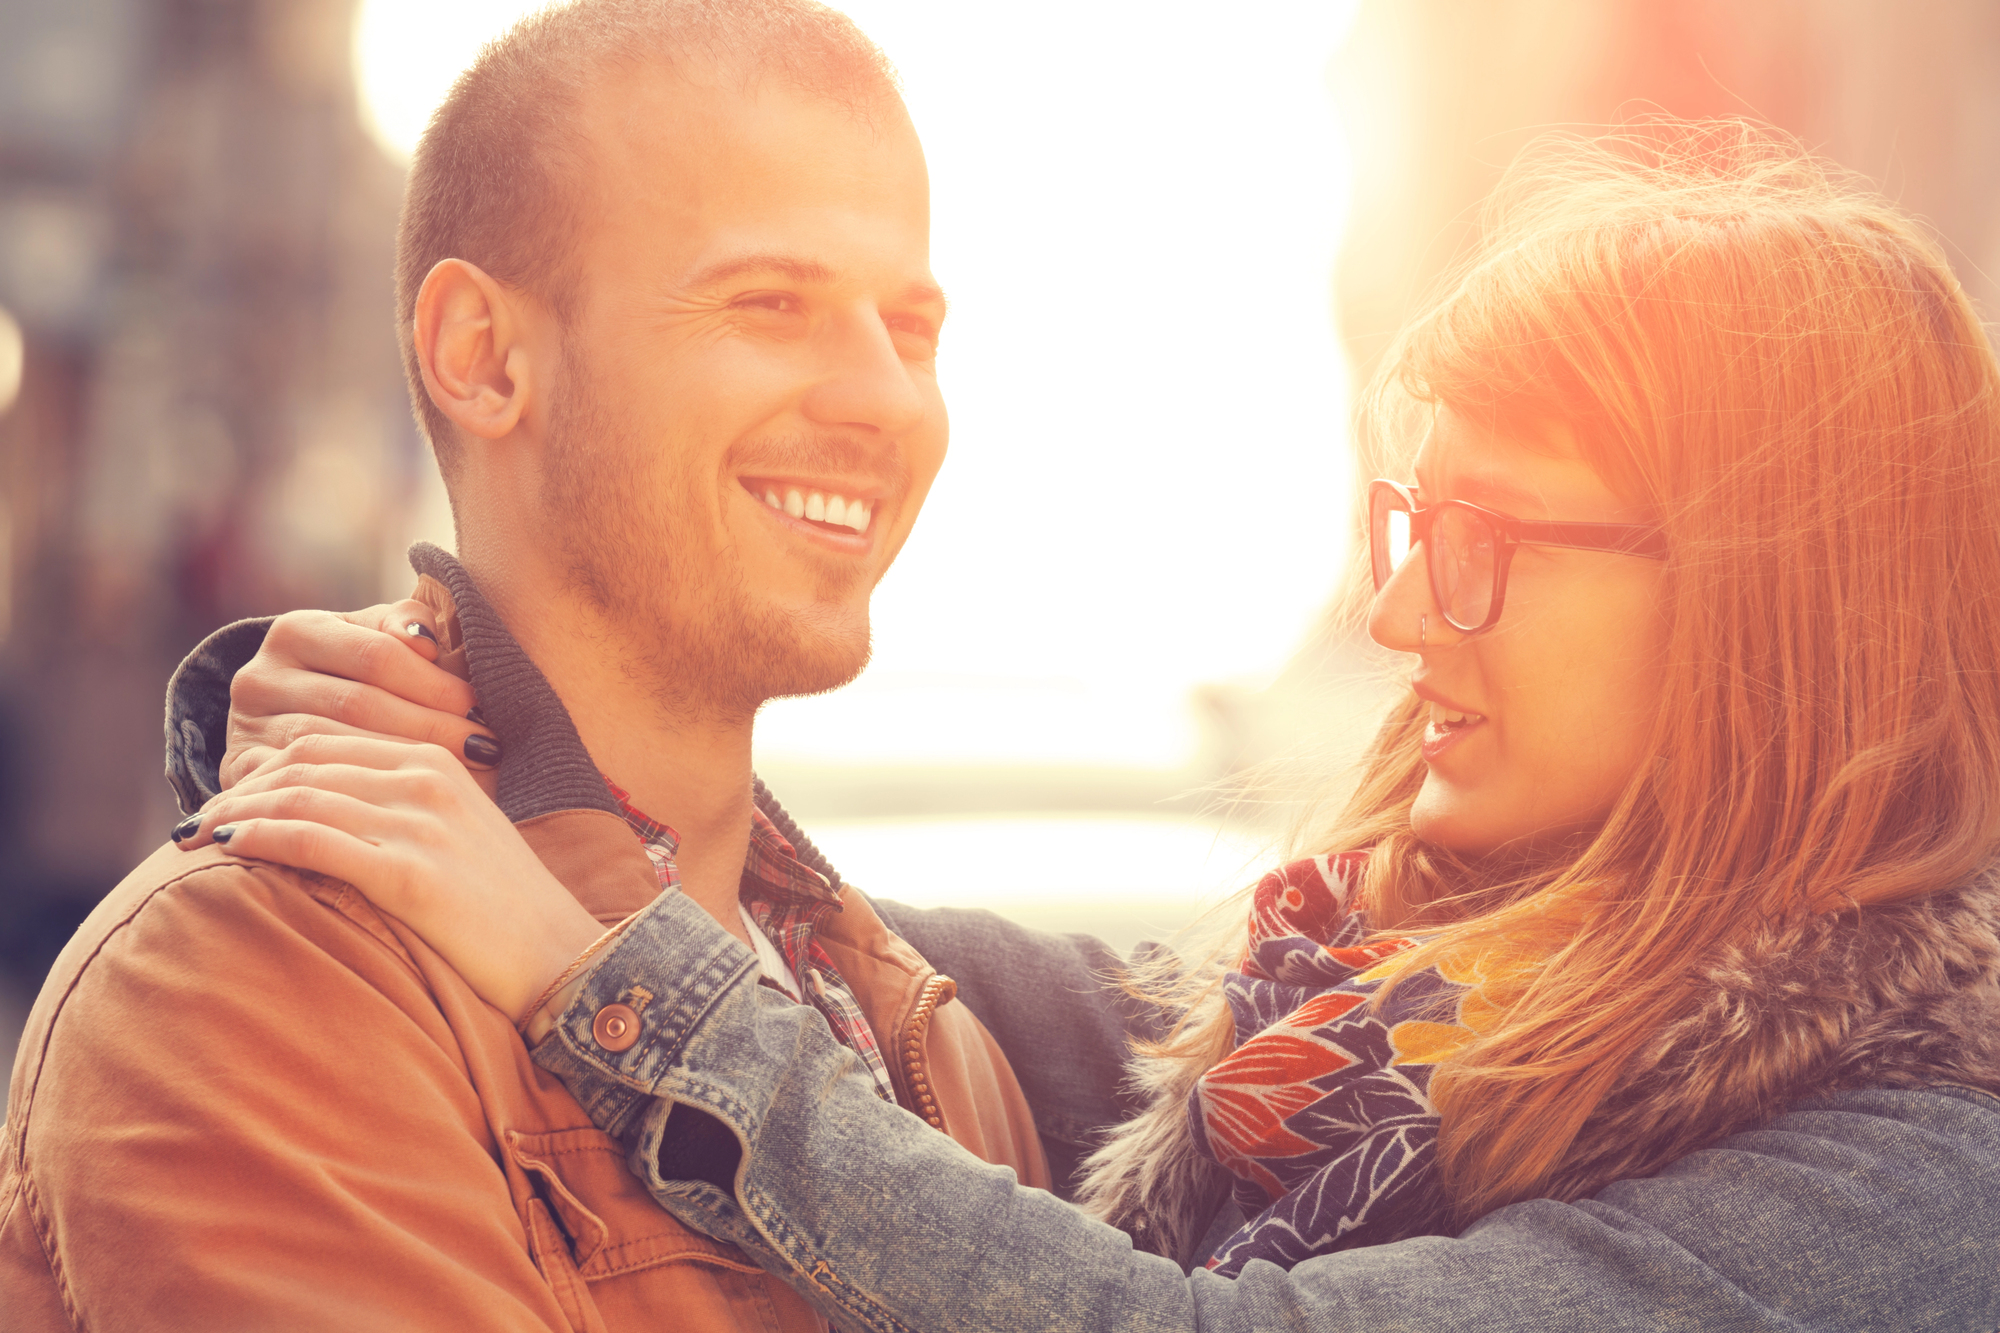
{"points": [[615, 1258], [611, 1225], [551, 1253]]}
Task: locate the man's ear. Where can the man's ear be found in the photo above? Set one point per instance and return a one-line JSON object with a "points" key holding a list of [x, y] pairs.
{"points": [[473, 343]]}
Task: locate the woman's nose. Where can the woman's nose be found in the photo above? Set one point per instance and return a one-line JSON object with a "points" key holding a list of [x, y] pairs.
{"points": [[1404, 616]]}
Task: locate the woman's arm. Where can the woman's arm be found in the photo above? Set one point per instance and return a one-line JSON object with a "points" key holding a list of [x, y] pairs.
{"points": [[1053, 1002], [1868, 1210]]}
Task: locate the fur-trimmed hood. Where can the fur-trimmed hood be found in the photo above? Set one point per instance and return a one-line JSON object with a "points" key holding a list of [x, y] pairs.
{"points": [[1901, 995]]}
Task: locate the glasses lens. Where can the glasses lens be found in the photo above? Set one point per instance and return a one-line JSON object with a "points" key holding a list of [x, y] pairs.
{"points": [[1463, 554], [1388, 533]]}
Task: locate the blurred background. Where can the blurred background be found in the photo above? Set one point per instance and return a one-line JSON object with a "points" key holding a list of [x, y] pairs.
{"points": [[1174, 234]]}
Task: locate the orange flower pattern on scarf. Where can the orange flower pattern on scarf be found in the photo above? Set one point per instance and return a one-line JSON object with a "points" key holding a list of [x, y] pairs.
{"points": [[1323, 1111]]}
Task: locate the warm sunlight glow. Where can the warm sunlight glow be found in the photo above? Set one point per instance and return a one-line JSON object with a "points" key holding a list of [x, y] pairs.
{"points": [[407, 52], [1136, 213]]}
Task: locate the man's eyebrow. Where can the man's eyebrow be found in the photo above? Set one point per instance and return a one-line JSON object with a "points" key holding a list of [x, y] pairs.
{"points": [[789, 266], [796, 269]]}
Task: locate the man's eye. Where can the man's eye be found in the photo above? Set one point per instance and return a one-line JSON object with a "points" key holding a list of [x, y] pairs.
{"points": [[914, 332], [783, 303]]}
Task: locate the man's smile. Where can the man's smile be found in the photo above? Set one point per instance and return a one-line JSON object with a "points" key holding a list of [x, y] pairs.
{"points": [[842, 512]]}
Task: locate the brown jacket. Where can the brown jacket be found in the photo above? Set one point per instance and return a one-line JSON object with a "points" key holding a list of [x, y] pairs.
{"points": [[247, 1100]]}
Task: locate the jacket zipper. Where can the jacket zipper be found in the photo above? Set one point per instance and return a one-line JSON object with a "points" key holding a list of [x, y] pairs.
{"points": [[938, 990]]}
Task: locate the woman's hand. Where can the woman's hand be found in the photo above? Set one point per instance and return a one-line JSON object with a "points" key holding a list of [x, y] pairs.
{"points": [[357, 673], [408, 826]]}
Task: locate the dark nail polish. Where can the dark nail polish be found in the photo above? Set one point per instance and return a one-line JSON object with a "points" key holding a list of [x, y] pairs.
{"points": [[482, 749], [473, 714], [225, 833], [421, 630], [186, 829]]}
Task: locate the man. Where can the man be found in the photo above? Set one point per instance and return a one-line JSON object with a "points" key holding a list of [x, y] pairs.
{"points": [[664, 292]]}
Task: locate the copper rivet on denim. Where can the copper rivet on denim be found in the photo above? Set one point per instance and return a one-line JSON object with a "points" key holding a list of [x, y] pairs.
{"points": [[616, 1027]]}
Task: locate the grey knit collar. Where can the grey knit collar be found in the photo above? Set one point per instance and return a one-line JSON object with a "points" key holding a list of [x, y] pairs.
{"points": [[544, 767]]}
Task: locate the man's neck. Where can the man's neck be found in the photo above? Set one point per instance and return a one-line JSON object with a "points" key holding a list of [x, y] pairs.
{"points": [[690, 773]]}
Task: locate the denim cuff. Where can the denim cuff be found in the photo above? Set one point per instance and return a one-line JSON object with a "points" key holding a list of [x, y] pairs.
{"points": [[666, 973]]}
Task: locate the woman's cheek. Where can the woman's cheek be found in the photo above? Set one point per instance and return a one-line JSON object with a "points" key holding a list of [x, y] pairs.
{"points": [[1548, 744], [1595, 727]]}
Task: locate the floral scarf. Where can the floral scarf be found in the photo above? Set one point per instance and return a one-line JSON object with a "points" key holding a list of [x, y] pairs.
{"points": [[1323, 1111]]}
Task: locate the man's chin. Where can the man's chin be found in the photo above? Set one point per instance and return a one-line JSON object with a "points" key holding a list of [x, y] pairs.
{"points": [[817, 669], [728, 655]]}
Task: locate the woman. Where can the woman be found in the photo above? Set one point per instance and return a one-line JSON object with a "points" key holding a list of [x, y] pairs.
{"points": [[1689, 818]]}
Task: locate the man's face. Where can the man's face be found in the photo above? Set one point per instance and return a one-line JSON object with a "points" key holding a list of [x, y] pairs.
{"points": [[755, 322]]}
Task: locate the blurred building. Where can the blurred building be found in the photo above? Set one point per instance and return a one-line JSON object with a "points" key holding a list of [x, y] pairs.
{"points": [[1439, 95], [195, 242]]}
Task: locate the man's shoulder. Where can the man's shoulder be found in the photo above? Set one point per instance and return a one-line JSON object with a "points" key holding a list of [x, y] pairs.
{"points": [[200, 902], [189, 941]]}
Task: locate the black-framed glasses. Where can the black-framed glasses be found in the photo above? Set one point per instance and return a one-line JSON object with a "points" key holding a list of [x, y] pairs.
{"points": [[1469, 548]]}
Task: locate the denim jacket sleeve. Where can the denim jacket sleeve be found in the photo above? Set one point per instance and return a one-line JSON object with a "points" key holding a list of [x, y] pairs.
{"points": [[1873, 1209]]}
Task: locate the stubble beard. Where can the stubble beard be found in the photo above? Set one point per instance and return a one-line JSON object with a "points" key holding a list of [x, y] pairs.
{"points": [[691, 633]]}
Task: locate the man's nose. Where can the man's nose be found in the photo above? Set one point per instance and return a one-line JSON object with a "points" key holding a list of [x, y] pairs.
{"points": [[865, 384], [1404, 616]]}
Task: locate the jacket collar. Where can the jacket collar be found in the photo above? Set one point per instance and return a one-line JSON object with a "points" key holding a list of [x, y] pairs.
{"points": [[1900, 995], [544, 768], [551, 790]]}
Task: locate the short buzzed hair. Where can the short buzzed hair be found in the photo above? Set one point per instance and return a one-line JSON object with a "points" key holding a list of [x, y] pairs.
{"points": [[496, 179]]}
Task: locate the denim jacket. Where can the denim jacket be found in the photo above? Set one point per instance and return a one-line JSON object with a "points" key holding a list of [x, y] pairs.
{"points": [[1868, 1209]]}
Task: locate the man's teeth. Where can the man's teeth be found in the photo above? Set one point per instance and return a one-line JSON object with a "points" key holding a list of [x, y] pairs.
{"points": [[823, 508]]}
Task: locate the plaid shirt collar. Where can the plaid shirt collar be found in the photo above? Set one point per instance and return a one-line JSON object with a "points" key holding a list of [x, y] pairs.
{"points": [[788, 900]]}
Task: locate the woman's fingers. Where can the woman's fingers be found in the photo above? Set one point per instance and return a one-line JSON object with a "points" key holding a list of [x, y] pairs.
{"points": [[409, 619], [367, 712], [379, 653], [382, 772], [355, 816], [363, 671], [258, 759], [309, 845]]}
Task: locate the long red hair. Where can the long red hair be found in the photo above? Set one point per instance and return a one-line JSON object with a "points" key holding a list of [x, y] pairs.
{"points": [[1780, 368]]}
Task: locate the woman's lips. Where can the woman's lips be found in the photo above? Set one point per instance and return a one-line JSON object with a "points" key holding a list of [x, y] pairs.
{"points": [[1446, 729]]}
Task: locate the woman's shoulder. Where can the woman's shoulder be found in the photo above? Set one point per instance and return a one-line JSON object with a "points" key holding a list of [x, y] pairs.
{"points": [[1896, 997], [1899, 994]]}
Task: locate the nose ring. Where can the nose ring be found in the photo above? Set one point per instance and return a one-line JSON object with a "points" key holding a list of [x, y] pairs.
{"points": [[1423, 623]]}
